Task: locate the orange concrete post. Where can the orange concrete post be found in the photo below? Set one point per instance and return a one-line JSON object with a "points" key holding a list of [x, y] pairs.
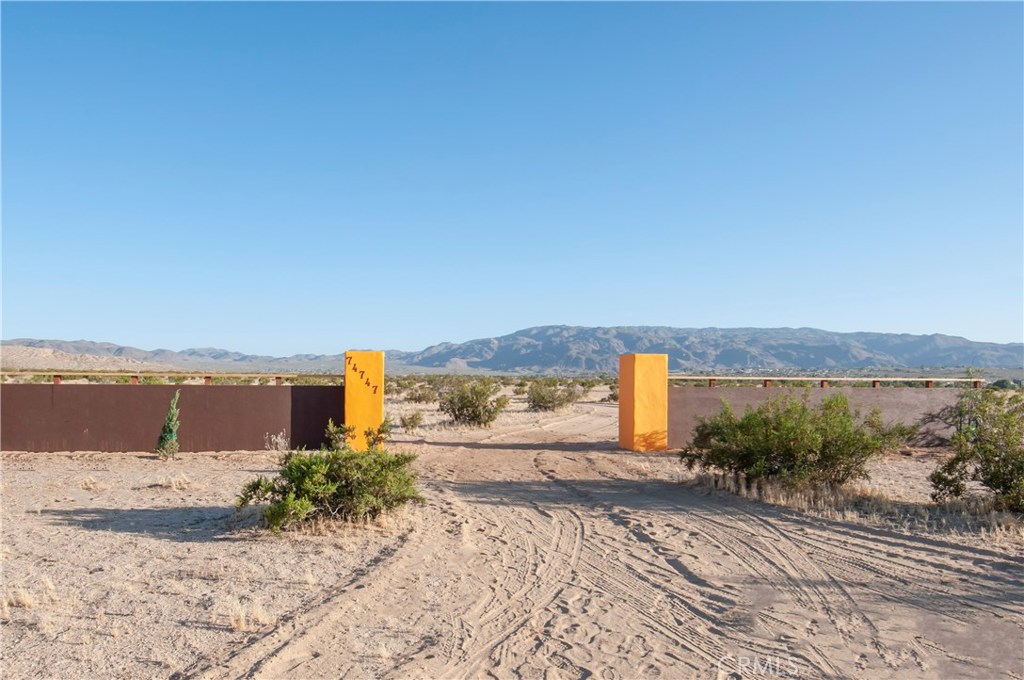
{"points": [[975, 384], [824, 383], [876, 383], [278, 381], [712, 382], [766, 383], [928, 383], [134, 380], [207, 380], [57, 379], [643, 402], [364, 393]]}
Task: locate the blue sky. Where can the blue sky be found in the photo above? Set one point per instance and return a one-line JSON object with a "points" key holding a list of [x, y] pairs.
{"points": [[317, 177]]}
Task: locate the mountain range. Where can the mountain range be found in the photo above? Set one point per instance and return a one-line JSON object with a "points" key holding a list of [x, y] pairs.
{"points": [[576, 349]]}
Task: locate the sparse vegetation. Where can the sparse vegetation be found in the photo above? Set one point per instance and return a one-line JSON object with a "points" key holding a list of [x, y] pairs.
{"points": [[276, 442], [334, 484], [422, 394], [167, 443], [786, 439], [989, 448], [473, 403]]}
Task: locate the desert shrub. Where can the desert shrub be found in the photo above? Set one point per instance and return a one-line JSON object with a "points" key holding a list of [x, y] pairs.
{"points": [[377, 437], [787, 439], [519, 390], [411, 421], [613, 395], [472, 403], [988, 445], [421, 394], [333, 485], [167, 442], [586, 385], [548, 395], [339, 436]]}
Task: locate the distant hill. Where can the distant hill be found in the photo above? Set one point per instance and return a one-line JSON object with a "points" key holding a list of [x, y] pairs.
{"points": [[575, 349]]}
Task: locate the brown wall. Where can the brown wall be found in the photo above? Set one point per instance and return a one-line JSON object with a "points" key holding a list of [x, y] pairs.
{"points": [[910, 405], [129, 417]]}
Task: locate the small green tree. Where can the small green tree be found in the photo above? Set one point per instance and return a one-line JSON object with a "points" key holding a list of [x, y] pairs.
{"points": [[989, 447], [167, 443]]}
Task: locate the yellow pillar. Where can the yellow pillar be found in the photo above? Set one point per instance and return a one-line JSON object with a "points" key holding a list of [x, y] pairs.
{"points": [[643, 402], [364, 393]]}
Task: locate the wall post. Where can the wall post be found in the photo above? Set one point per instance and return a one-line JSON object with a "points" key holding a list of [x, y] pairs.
{"points": [[364, 394], [643, 402]]}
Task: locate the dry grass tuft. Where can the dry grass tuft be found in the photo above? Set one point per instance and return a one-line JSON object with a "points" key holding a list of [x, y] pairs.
{"points": [[179, 483], [51, 590], [22, 599], [258, 615], [859, 503], [239, 618], [90, 484]]}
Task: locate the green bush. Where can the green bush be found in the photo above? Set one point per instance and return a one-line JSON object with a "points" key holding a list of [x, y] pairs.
{"points": [[613, 394], [547, 395], [167, 442], [989, 448], [412, 421], [472, 403], [786, 439], [334, 485]]}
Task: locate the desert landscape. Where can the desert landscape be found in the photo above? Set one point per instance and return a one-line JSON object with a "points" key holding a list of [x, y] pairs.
{"points": [[541, 551]]}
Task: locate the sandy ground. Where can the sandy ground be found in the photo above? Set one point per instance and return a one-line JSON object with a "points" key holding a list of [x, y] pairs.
{"points": [[541, 552]]}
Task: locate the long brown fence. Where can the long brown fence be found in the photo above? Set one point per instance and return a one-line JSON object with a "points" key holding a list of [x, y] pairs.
{"points": [[909, 405], [129, 417]]}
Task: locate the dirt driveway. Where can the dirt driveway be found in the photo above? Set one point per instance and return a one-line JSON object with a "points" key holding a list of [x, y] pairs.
{"points": [[542, 552]]}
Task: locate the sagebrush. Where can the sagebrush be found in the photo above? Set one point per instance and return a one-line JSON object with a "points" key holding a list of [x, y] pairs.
{"points": [[786, 438], [989, 448], [474, 402]]}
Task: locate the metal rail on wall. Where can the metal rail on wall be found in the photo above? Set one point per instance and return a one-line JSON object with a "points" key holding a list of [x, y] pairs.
{"points": [[57, 376], [712, 381]]}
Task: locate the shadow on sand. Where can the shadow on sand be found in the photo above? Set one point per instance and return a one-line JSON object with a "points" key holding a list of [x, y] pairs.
{"points": [[183, 524]]}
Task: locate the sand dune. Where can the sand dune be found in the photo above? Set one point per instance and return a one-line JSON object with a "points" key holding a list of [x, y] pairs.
{"points": [[541, 552]]}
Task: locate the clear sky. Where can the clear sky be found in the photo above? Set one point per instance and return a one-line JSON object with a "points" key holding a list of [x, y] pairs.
{"points": [[290, 178]]}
